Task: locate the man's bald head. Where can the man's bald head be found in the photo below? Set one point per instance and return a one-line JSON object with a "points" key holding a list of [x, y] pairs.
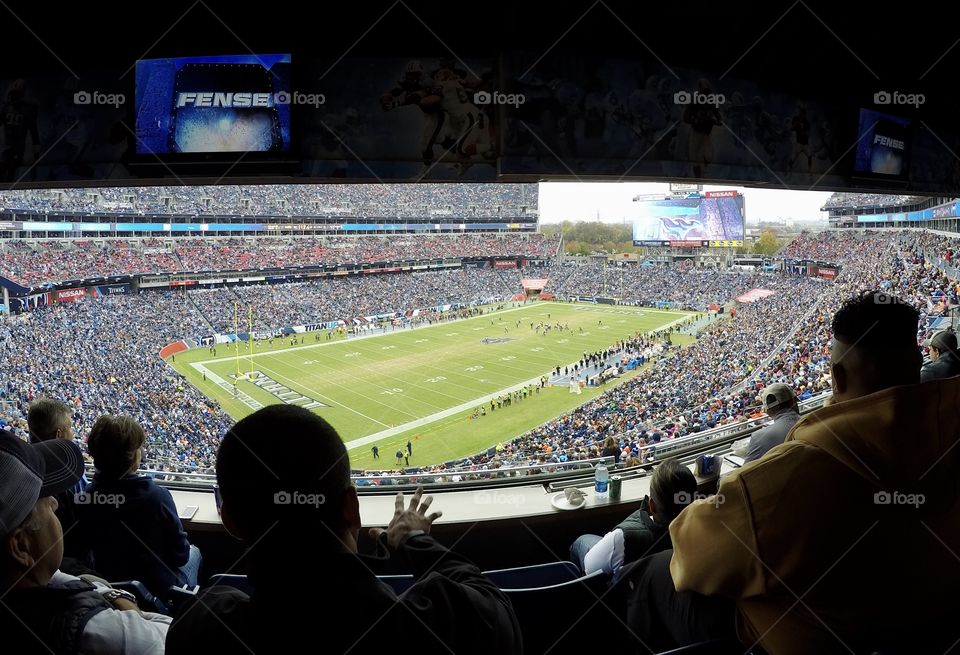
{"points": [[874, 345]]}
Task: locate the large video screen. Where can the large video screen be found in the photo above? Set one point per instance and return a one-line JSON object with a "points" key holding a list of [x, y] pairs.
{"points": [[233, 103], [714, 219], [883, 146]]}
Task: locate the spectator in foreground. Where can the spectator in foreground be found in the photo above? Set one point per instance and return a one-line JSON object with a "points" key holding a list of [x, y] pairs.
{"points": [[798, 555], [780, 404], [129, 521], [284, 477], [43, 610], [51, 419], [944, 359], [672, 487]]}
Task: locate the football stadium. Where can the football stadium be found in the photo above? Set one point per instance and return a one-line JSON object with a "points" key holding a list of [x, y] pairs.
{"points": [[353, 343]]}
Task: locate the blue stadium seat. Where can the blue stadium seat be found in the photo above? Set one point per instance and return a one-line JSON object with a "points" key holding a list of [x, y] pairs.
{"points": [[713, 647], [399, 583], [145, 600], [151, 603], [230, 580], [537, 575], [568, 613]]}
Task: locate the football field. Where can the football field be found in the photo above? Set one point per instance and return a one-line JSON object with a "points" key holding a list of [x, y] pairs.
{"points": [[422, 384]]}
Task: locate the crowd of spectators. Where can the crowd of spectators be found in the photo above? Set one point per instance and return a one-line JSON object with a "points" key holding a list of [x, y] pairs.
{"points": [[717, 380], [44, 262], [348, 297], [681, 287], [100, 355], [374, 200], [843, 200]]}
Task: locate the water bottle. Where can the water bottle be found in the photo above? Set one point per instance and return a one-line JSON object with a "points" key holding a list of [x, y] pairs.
{"points": [[601, 481]]}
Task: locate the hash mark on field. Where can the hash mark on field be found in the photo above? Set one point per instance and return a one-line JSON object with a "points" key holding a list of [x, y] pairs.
{"points": [[582, 334], [351, 354], [422, 340], [477, 329], [387, 347], [563, 340], [452, 334], [604, 327], [536, 350], [508, 358]]}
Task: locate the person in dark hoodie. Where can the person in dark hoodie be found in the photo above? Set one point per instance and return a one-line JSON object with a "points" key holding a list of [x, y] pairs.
{"points": [[284, 476], [944, 360], [672, 487], [131, 523]]}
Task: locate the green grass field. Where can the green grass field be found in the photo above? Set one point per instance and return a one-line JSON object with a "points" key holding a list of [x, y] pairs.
{"points": [[423, 384]]}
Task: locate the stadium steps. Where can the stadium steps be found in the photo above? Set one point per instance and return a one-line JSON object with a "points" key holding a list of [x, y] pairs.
{"points": [[199, 311], [506, 285]]}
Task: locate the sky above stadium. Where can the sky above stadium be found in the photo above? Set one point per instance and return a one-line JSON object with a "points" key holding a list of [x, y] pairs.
{"points": [[612, 202]]}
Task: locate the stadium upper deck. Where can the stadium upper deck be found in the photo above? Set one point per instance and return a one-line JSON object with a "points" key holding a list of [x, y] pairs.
{"points": [[48, 262], [284, 200], [859, 210]]}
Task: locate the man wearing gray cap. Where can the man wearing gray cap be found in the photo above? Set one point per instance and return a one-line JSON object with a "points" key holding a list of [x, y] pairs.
{"points": [[944, 362], [780, 404], [43, 610]]}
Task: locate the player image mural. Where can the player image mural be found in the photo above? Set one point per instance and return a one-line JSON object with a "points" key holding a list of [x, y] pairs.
{"points": [[416, 118], [627, 117]]}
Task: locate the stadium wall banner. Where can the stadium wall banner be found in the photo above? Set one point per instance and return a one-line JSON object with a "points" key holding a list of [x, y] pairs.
{"points": [[110, 289], [534, 284], [71, 295], [754, 295], [510, 264], [822, 271]]}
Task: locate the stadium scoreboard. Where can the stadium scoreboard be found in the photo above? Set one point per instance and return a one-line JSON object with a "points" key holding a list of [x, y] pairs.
{"points": [[713, 219]]}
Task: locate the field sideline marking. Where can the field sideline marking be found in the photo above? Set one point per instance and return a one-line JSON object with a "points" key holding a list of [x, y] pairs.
{"points": [[482, 400]]}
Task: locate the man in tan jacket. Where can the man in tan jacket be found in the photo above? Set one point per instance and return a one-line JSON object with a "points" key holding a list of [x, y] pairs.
{"points": [[846, 538]]}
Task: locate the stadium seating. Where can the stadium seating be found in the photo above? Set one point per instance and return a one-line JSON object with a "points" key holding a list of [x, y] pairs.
{"points": [[569, 612], [537, 575], [717, 647]]}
